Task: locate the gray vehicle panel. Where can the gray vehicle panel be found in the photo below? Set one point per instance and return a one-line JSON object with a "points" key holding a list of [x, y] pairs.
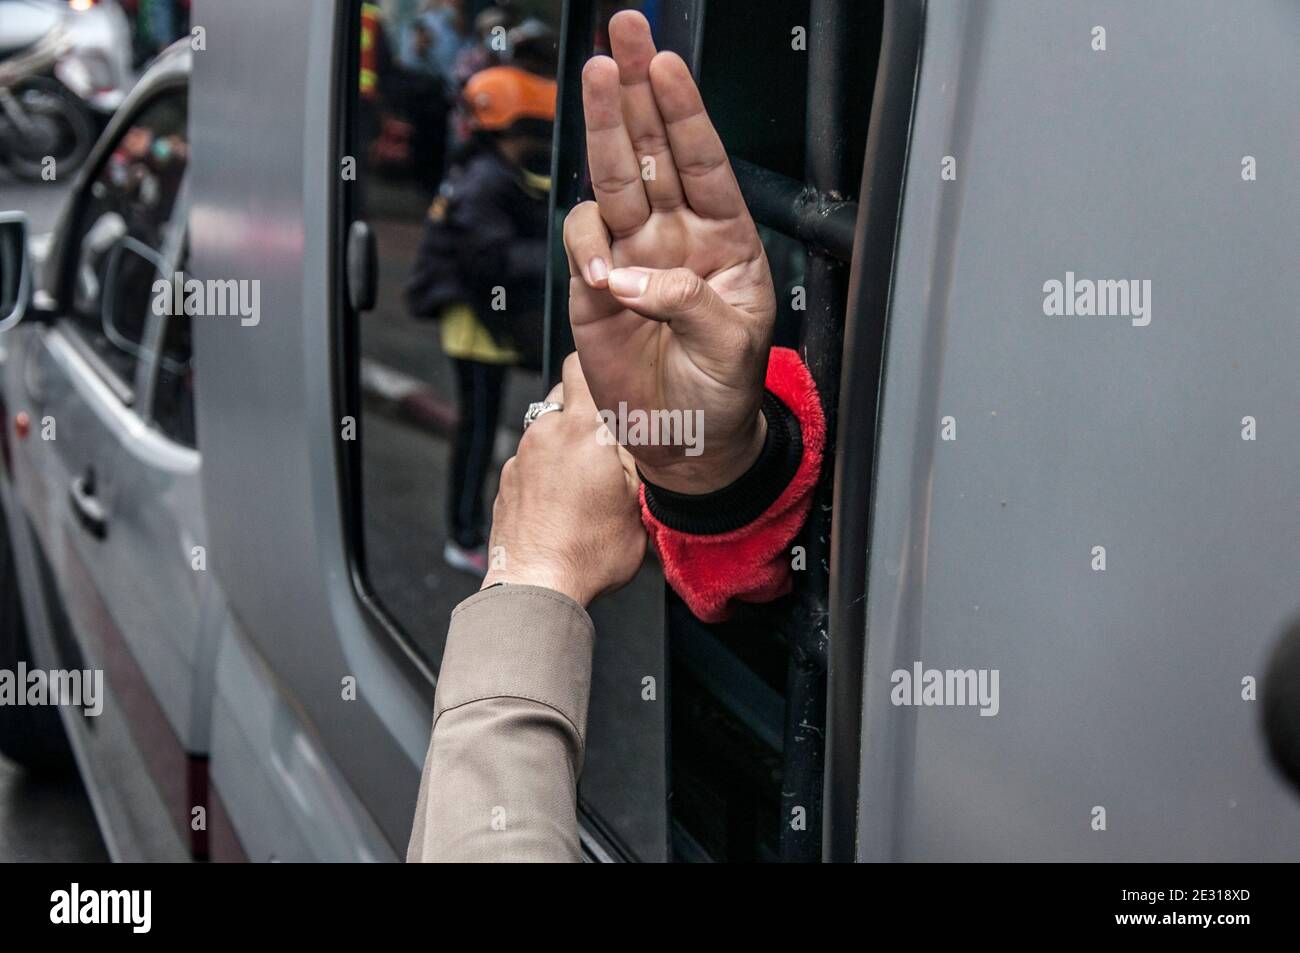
{"points": [[268, 427], [1120, 689]]}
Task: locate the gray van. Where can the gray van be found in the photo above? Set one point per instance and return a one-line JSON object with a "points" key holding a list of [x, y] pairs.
{"points": [[1041, 260]]}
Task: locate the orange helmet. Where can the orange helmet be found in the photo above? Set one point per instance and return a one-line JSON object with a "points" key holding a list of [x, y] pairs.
{"points": [[500, 96]]}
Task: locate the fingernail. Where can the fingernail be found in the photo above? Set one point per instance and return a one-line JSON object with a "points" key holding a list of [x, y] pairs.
{"points": [[628, 282], [598, 270]]}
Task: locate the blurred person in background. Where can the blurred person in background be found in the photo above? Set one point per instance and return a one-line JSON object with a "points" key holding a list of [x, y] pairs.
{"points": [[419, 56], [480, 271], [487, 49], [402, 103], [420, 98], [534, 46], [431, 42]]}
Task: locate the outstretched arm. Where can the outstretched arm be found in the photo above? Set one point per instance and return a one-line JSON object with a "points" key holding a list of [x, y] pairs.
{"points": [[510, 714], [672, 308]]}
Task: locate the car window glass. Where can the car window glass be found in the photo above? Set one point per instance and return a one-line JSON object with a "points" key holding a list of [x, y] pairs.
{"points": [[450, 357], [122, 230]]}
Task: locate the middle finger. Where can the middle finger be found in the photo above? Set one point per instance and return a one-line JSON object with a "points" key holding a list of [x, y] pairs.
{"points": [[634, 48]]}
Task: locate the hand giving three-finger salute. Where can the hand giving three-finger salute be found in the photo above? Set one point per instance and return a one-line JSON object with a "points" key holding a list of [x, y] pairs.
{"points": [[670, 297], [672, 309]]}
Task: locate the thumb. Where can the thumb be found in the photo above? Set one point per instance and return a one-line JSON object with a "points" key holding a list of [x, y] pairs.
{"points": [[576, 395], [677, 296]]}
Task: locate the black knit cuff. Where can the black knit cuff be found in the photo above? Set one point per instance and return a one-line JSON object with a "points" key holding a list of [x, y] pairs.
{"points": [[750, 496]]}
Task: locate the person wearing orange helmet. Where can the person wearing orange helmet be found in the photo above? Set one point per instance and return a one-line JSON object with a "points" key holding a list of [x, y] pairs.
{"points": [[480, 271]]}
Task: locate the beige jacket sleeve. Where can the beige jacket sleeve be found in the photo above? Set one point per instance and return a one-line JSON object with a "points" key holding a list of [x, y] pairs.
{"points": [[500, 780]]}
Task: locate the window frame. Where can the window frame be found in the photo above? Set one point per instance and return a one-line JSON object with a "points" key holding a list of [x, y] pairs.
{"points": [[345, 356]]}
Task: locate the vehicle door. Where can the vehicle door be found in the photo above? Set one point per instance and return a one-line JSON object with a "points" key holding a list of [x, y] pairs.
{"points": [[107, 473]]}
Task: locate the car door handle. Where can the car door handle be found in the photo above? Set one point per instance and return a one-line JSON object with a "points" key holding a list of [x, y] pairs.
{"points": [[362, 267], [89, 510]]}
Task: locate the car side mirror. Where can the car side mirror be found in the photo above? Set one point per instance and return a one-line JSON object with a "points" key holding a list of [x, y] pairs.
{"points": [[129, 281], [15, 269]]}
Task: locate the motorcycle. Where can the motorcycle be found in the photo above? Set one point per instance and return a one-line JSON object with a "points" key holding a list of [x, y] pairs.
{"points": [[45, 130]]}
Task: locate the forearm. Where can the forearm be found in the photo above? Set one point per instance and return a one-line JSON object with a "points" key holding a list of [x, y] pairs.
{"points": [[500, 778]]}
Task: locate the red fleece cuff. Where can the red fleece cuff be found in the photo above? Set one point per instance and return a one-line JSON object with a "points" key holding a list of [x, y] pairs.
{"points": [[750, 564]]}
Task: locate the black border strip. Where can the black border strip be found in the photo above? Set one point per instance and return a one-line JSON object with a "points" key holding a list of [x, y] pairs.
{"points": [[888, 139]]}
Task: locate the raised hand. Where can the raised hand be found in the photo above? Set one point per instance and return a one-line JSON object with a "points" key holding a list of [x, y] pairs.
{"points": [[670, 296]]}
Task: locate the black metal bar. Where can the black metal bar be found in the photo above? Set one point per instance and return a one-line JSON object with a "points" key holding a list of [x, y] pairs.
{"points": [[817, 219], [882, 194], [826, 277]]}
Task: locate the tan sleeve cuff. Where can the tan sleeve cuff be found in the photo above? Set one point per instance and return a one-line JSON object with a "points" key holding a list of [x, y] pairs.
{"points": [[518, 642]]}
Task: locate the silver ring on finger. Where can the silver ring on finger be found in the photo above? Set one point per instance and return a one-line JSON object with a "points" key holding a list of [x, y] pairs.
{"points": [[539, 407]]}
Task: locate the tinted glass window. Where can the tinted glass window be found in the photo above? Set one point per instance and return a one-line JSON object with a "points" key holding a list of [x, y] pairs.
{"points": [[451, 355], [123, 229], [744, 693]]}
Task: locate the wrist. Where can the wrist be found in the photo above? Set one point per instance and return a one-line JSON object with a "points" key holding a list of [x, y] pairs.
{"points": [[716, 468], [747, 498], [543, 577]]}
